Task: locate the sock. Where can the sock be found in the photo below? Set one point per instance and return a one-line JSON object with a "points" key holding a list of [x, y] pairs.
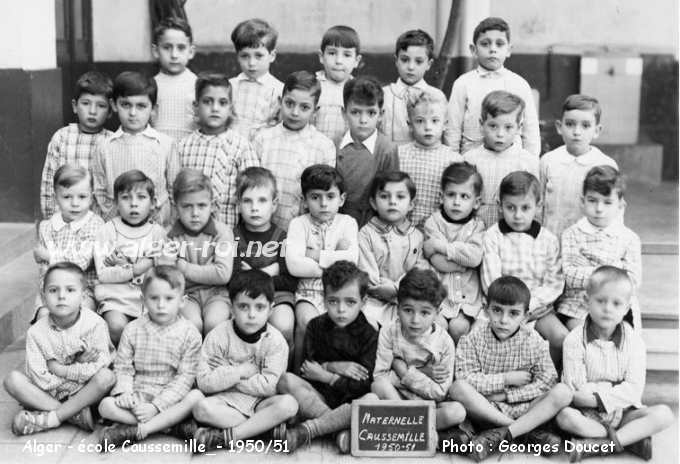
{"points": [[142, 432], [332, 421], [228, 435], [312, 406], [53, 420]]}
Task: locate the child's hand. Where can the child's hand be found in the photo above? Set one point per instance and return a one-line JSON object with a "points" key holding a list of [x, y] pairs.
{"points": [[343, 244], [181, 265], [88, 356], [348, 369], [312, 370], [272, 270], [314, 254], [517, 378], [126, 400], [501, 396], [383, 292], [440, 373], [428, 247], [248, 370], [116, 258], [56, 368], [245, 266], [144, 411], [399, 367], [41, 254]]}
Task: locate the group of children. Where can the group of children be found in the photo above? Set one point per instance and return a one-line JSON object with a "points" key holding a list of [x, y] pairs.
{"points": [[274, 250]]}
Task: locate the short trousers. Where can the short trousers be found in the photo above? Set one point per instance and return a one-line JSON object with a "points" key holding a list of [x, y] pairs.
{"points": [[312, 297], [207, 295], [242, 402], [611, 419], [284, 297]]}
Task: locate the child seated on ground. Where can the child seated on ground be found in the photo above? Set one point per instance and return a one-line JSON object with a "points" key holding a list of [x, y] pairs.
{"points": [[75, 143], [204, 251], [504, 376], [67, 355], [604, 364], [415, 355], [315, 241], [241, 362], [126, 248], [70, 233], [453, 244], [597, 239], [155, 366], [389, 245], [339, 357]]}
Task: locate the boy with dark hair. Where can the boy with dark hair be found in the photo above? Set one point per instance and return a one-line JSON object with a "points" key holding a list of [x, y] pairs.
{"points": [[363, 150], [255, 91], [339, 356], [491, 47], [75, 144], [504, 375], [294, 144]]}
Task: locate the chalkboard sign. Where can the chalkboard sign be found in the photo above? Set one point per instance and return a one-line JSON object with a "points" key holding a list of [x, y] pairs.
{"points": [[393, 428]]}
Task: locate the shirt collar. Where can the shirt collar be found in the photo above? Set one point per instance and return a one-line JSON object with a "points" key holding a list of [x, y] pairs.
{"points": [[265, 79], [611, 230], [57, 221], [482, 72], [400, 87], [148, 132], [178, 229], [591, 336], [534, 230], [54, 326], [384, 228], [446, 217], [368, 143]]}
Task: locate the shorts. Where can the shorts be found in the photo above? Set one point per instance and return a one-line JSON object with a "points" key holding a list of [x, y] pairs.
{"points": [[312, 297], [207, 295], [242, 402], [379, 313], [122, 297], [608, 419], [284, 297]]}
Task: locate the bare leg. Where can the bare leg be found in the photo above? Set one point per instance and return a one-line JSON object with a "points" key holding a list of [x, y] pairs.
{"points": [[449, 413], [171, 416], [384, 389], [268, 414], [116, 322], [572, 322], [28, 394], [550, 328], [214, 412], [214, 313], [311, 403], [542, 410], [192, 311], [458, 326], [573, 421], [304, 312], [283, 318], [476, 404], [642, 423], [110, 410], [93, 391]]}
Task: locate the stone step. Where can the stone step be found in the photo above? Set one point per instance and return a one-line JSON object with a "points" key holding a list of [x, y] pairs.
{"points": [[15, 239], [662, 348], [19, 287], [659, 292]]}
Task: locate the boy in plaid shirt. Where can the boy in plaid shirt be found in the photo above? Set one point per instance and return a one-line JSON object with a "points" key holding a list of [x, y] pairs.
{"points": [[155, 365], [504, 376], [75, 143], [291, 146], [215, 149], [255, 92], [339, 56], [597, 239]]}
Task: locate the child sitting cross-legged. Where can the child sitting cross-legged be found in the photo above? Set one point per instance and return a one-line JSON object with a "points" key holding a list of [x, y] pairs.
{"points": [[504, 376], [339, 356]]}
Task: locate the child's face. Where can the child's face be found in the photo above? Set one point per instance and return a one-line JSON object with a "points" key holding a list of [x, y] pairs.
{"points": [[251, 314], [413, 63], [362, 119], [339, 62], [134, 206], [427, 124], [504, 319], [459, 200], [297, 108], [343, 305], [324, 204], [578, 129], [602, 210], [499, 132], [491, 49], [609, 303], [63, 294], [74, 201], [519, 210], [173, 51], [134, 112], [212, 109], [92, 111], [416, 317], [392, 203], [255, 61], [257, 205], [162, 301], [194, 209]]}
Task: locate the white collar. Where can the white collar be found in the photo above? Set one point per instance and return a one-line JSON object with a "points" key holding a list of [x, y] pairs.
{"points": [[368, 143], [265, 79], [592, 156], [148, 132], [482, 72], [612, 229], [57, 221], [400, 87]]}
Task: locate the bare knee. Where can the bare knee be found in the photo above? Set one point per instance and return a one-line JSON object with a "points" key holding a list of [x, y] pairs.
{"points": [[460, 390], [193, 397], [561, 395], [202, 410], [286, 406], [566, 418], [455, 412], [662, 414], [13, 382], [378, 386], [287, 383], [107, 407], [104, 380]]}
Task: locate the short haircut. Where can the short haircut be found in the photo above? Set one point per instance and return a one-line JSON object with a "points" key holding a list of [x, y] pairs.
{"points": [[520, 183], [364, 90], [303, 80], [422, 285], [189, 181], [491, 24], [68, 267], [132, 83], [252, 283], [254, 33], [94, 83], [342, 273], [255, 176], [604, 180], [584, 103], [509, 290], [211, 79], [321, 177], [460, 173], [382, 178], [172, 22], [425, 97], [606, 274], [502, 102], [69, 175], [169, 274], [130, 180], [415, 38], [341, 36]]}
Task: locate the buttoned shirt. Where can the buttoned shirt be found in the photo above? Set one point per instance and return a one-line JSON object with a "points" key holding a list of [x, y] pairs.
{"points": [[329, 118], [175, 114], [256, 102]]}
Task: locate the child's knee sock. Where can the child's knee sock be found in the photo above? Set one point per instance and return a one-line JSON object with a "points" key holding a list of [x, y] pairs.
{"points": [[332, 421], [311, 406]]}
